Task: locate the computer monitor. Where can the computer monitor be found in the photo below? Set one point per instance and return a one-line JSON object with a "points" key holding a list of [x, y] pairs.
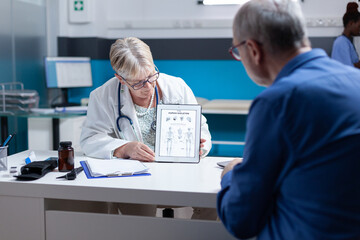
{"points": [[67, 72]]}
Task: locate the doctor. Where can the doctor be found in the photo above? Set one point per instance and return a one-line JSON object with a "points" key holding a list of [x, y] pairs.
{"points": [[122, 112]]}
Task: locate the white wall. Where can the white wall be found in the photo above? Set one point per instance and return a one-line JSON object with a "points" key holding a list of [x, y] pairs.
{"points": [[180, 19]]}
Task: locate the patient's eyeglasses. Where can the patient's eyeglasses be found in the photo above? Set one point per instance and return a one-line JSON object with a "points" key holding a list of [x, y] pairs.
{"points": [[234, 51]]}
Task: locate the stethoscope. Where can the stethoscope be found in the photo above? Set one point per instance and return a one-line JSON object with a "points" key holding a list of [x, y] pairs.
{"points": [[153, 124]]}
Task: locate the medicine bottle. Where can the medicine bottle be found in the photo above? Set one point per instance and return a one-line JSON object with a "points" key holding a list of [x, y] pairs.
{"points": [[66, 157]]}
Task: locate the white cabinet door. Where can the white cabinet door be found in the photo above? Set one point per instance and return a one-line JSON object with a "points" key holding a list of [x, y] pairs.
{"points": [[40, 136]]}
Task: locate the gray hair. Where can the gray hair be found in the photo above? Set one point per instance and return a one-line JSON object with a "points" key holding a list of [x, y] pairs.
{"points": [[278, 25], [131, 58]]}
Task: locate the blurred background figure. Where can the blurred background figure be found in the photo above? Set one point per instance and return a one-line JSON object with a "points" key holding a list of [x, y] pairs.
{"points": [[343, 48]]}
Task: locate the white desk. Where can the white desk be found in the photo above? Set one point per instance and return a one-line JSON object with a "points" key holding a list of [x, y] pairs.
{"points": [[26, 209]]}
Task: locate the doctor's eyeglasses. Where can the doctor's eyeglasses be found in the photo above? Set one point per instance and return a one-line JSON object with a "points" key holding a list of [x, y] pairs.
{"points": [[140, 84], [234, 51]]}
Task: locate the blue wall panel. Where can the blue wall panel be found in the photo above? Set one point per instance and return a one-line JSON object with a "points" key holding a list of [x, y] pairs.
{"points": [[211, 79], [226, 127]]}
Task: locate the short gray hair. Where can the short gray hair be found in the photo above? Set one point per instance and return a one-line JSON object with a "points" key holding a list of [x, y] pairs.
{"points": [[131, 58], [278, 25]]}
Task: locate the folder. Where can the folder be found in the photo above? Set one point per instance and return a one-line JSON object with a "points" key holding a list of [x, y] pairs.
{"points": [[113, 168]]}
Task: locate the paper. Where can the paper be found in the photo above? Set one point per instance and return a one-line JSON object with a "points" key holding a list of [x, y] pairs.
{"points": [[115, 167], [73, 73], [72, 109], [43, 110], [31, 158]]}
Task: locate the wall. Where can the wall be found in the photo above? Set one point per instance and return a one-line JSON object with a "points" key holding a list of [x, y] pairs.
{"points": [[171, 19], [182, 19], [172, 26]]}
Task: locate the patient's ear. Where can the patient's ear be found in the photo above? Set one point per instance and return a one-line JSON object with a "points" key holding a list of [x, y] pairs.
{"points": [[255, 51]]}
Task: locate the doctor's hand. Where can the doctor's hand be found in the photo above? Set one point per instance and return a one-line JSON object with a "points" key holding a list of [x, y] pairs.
{"points": [[231, 165], [136, 151], [202, 140]]}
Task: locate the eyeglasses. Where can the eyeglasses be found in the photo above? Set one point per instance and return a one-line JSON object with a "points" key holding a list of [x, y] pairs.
{"points": [[140, 84], [234, 51]]}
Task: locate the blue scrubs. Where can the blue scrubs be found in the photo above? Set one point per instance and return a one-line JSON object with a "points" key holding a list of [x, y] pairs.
{"points": [[300, 177], [344, 51]]}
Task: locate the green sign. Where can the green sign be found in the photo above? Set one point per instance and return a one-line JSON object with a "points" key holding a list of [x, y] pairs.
{"points": [[78, 5]]}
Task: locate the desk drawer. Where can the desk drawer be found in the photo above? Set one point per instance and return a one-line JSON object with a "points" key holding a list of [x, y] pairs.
{"points": [[62, 225]]}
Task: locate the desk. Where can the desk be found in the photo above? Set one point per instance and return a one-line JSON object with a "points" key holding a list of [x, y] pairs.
{"points": [[29, 115], [26, 211]]}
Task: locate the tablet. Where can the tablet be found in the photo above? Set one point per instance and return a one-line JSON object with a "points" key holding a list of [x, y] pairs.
{"points": [[178, 130], [223, 164]]}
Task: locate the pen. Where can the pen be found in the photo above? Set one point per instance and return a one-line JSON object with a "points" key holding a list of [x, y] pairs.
{"points": [[72, 174], [8, 139], [5, 144]]}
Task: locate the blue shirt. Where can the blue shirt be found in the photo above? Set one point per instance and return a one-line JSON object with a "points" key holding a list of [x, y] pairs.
{"points": [[344, 51], [300, 176]]}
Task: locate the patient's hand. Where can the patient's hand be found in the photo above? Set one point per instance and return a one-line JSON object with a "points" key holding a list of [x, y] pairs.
{"points": [[231, 165]]}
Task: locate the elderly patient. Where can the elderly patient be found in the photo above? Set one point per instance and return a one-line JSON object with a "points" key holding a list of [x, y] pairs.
{"points": [[299, 178], [122, 112]]}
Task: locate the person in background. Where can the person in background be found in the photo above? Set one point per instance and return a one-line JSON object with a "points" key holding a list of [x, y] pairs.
{"points": [[343, 48], [121, 114], [299, 178]]}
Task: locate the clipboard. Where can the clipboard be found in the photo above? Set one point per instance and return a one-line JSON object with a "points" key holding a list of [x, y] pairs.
{"points": [[89, 176]]}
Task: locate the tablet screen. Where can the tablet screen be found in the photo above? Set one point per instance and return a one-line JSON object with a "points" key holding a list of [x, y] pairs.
{"points": [[178, 133]]}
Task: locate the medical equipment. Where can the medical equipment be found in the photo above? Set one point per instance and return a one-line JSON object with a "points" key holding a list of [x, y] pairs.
{"points": [[153, 124]]}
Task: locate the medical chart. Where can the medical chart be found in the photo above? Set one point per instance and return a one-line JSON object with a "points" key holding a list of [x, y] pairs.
{"points": [[177, 137]]}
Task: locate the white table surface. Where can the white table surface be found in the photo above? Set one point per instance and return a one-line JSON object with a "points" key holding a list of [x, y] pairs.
{"points": [[180, 184]]}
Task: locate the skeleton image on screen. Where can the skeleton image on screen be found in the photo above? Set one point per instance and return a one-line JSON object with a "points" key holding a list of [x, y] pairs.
{"points": [[178, 138], [188, 138], [169, 138]]}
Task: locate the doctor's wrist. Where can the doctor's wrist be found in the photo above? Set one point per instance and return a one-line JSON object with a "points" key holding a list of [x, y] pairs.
{"points": [[119, 152]]}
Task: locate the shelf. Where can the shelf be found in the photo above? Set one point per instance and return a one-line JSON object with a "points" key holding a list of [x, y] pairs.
{"points": [[225, 106], [227, 143], [222, 111]]}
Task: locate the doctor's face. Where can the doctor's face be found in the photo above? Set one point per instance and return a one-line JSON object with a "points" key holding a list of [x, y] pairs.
{"points": [[143, 85]]}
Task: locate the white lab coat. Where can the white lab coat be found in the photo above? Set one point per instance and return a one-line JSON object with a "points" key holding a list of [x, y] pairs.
{"points": [[100, 136]]}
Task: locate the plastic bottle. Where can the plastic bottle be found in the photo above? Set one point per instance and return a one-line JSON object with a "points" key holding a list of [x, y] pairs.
{"points": [[66, 157]]}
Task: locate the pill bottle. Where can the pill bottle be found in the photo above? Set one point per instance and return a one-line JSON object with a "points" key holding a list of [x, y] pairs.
{"points": [[66, 156]]}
